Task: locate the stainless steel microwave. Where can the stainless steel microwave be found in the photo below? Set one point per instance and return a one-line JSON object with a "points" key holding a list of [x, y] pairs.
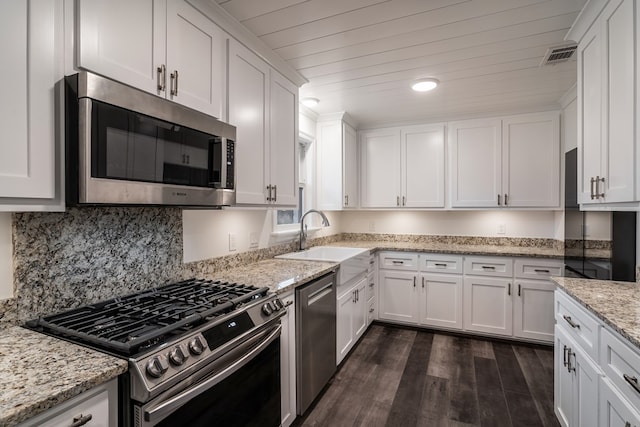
{"points": [[128, 147]]}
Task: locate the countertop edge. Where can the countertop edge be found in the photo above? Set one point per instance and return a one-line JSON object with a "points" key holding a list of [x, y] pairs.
{"points": [[598, 313]]}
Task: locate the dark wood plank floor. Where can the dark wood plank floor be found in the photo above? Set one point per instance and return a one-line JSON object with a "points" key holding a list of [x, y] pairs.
{"points": [[399, 377]]}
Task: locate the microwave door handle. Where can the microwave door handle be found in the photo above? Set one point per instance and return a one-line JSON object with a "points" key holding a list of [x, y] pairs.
{"points": [[212, 162], [164, 408]]}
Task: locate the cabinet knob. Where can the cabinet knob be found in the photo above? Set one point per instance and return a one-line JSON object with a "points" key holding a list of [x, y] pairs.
{"points": [[81, 420]]}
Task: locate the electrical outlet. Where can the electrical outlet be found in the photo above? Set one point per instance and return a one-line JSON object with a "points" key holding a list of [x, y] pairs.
{"points": [[372, 226], [253, 240], [502, 228], [232, 242]]}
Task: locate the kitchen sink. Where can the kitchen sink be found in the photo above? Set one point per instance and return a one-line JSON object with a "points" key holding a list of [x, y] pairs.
{"points": [[325, 253], [353, 261]]}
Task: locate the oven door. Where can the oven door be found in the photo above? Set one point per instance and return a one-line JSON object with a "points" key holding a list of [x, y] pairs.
{"points": [[242, 390]]}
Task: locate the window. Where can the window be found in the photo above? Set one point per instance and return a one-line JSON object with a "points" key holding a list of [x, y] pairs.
{"points": [[289, 219]]}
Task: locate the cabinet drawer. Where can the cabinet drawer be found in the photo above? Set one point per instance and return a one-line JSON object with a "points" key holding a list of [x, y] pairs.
{"points": [[399, 261], [538, 268], [621, 363], [371, 286], [372, 311], [488, 266], [578, 323], [614, 409], [433, 263]]}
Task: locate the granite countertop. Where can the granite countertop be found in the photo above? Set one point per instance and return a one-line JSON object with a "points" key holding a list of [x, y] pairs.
{"points": [[39, 372], [615, 303], [280, 275], [451, 248]]}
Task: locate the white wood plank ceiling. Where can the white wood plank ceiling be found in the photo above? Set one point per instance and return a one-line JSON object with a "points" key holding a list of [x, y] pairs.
{"points": [[360, 56]]}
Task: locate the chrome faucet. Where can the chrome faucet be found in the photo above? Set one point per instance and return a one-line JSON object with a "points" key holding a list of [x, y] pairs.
{"points": [[303, 228]]}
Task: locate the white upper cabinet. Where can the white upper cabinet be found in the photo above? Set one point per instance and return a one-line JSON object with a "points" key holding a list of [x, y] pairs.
{"points": [[475, 150], [283, 159], [509, 162], [263, 106], [607, 104], [337, 152], [422, 154], [380, 167], [166, 48], [531, 161], [32, 32], [403, 167]]}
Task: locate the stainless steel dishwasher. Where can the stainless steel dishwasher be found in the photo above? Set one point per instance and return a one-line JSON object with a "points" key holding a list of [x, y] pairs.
{"points": [[315, 338]]}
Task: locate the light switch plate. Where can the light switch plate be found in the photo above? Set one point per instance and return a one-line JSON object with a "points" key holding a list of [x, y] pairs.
{"points": [[253, 240], [232, 242]]}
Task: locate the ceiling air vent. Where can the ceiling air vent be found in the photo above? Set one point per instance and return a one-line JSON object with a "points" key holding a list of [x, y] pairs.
{"points": [[558, 54]]}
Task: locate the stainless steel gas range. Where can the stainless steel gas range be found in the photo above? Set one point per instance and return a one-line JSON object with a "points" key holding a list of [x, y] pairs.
{"points": [[198, 351]]}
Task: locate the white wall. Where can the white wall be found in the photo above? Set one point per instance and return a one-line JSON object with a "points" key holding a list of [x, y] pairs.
{"points": [[206, 233], [6, 256], [540, 224]]}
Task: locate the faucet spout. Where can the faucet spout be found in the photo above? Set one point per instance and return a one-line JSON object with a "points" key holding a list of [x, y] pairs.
{"points": [[303, 229]]}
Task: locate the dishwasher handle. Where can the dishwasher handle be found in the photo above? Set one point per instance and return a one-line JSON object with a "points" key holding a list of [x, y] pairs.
{"points": [[319, 294]]}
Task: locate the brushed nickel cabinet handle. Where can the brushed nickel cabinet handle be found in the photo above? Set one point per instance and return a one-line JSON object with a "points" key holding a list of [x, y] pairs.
{"points": [[404, 201], [571, 322], [162, 77], [564, 355], [509, 289], [519, 290], [498, 200], [269, 190], [275, 193], [598, 193], [571, 367], [176, 83], [540, 270], [414, 281], [593, 193], [397, 261], [81, 420], [346, 200], [633, 381], [506, 199], [488, 267], [422, 282], [439, 265], [397, 200]]}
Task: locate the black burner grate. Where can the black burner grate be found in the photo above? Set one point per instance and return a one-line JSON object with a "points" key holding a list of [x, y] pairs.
{"points": [[135, 322]]}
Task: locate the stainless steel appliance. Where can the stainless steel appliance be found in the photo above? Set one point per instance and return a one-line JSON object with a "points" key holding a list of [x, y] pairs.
{"points": [[315, 338], [200, 353], [125, 146]]}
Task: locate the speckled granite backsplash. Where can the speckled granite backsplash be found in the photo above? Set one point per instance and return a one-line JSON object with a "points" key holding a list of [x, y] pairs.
{"points": [[85, 255]]}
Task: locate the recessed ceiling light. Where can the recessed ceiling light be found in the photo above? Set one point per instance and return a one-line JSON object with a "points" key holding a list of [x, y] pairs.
{"points": [[425, 85], [310, 102]]}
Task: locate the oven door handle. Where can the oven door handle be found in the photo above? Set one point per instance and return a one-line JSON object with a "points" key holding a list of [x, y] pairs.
{"points": [[164, 408]]}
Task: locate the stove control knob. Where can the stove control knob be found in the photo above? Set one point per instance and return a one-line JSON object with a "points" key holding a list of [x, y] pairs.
{"points": [[278, 304], [267, 310], [157, 366], [177, 356], [274, 306], [195, 346]]}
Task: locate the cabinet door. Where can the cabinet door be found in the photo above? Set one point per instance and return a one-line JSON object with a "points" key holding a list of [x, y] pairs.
{"points": [[196, 53], [288, 362], [360, 309], [585, 388], [533, 314], [562, 380], [248, 112], [32, 65], [589, 114], [475, 149], [330, 161], [619, 44], [380, 163], [283, 153], [531, 161], [344, 325], [614, 409], [349, 167], [441, 300], [127, 47], [398, 296], [423, 167], [488, 305]]}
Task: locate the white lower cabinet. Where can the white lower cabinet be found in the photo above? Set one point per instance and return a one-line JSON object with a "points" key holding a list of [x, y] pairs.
{"points": [[97, 407], [593, 388], [575, 383], [533, 310], [288, 362], [614, 409], [351, 315], [488, 305], [398, 296], [441, 300]]}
